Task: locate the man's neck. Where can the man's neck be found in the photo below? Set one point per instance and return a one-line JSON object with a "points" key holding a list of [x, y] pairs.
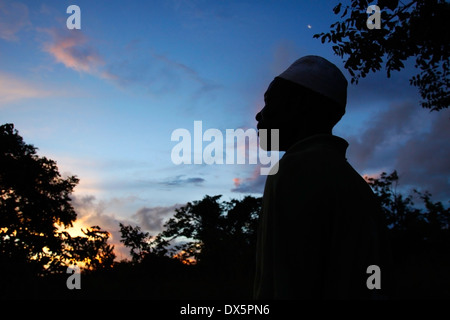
{"points": [[285, 145]]}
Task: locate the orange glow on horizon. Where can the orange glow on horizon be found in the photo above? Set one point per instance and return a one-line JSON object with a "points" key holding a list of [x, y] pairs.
{"points": [[180, 256]]}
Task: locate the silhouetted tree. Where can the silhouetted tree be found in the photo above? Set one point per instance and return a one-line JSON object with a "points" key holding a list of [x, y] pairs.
{"points": [[399, 210], [92, 250], [212, 233], [137, 241], [413, 28], [420, 239], [34, 203], [35, 208]]}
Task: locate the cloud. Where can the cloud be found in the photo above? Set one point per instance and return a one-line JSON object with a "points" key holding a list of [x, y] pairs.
{"points": [[156, 73], [72, 48], [408, 139], [252, 184], [376, 89], [152, 219], [180, 181], [423, 161], [93, 212], [136, 67], [13, 89], [13, 18], [205, 85], [383, 130]]}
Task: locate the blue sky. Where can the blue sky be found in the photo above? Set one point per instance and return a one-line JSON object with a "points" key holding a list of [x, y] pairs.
{"points": [[103, 101]]}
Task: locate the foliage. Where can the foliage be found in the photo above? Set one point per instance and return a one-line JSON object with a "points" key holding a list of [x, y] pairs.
{"points": [[419, 237], [215, 241], [92, 251], [35, 208], [137, 241], [427, 223], [206, 232], [212, 232], [34, 202], [408, 29]]}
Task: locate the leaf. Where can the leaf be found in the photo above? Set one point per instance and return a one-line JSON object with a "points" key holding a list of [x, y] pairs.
{"points": [[414, 29], [345, 13], [337, 8]]}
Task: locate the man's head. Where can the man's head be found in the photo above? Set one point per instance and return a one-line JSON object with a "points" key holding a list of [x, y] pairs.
{"points": [[307, 98]]}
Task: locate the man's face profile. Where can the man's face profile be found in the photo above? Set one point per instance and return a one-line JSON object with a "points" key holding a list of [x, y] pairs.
{"points": [[266, 118], [276, 114]]}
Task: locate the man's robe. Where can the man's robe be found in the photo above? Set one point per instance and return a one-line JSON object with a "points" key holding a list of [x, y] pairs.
{"points": [[321, 227]]}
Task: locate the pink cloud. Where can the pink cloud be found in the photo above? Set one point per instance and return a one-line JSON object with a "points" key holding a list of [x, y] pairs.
{"points": [[237, 182], [254, 183], [72, 49], [13, 89]]}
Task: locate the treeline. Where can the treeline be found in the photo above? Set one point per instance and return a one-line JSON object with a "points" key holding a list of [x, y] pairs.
{"points": [[205, 251]]}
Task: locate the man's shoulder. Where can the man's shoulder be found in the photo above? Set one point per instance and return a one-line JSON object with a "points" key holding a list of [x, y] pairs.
{"points": [[300, 168]]}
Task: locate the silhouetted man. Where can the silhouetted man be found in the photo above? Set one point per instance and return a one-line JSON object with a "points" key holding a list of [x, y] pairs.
{"points": [[321, 226]]}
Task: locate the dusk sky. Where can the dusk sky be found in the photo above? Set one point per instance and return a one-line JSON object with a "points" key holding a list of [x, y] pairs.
{"points": [[104, 100]]}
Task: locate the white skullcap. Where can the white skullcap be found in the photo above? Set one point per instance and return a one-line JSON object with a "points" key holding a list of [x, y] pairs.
{"points": [[319, 75]]}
